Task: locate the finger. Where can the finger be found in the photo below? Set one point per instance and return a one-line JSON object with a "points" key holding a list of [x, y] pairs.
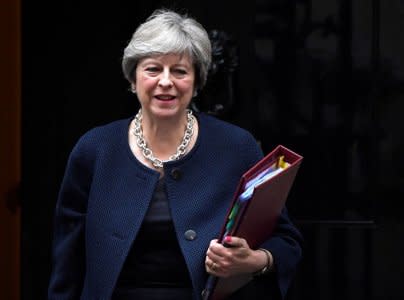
{"points": [[233, 241], [208, 264], [216, 248], [214, 256], [211, 266], [213, 242]]}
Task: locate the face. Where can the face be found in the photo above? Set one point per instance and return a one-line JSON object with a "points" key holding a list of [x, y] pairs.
{"points": [[165, 85]]}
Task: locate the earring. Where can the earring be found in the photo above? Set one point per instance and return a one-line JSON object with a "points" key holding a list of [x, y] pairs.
{"points": [[133, 89], [195, 93]]}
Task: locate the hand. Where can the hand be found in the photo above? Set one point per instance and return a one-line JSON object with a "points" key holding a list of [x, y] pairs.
{"points": [[236, 258]]}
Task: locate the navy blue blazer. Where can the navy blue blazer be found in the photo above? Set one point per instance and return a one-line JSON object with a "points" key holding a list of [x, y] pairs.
{"points": [[106, 192]]}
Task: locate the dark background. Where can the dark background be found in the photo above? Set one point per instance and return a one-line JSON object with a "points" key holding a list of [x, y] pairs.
{"points": [[322, 77]]}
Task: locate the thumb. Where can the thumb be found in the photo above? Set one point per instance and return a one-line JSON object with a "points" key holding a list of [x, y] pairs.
{"points": [[231, 241]]}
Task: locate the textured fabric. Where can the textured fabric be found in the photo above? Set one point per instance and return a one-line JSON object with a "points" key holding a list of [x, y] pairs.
{"points": [[154, 294], [106, 192], [155, 259]]}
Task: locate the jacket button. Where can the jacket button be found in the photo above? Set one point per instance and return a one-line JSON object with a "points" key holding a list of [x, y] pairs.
{"points": [[190, 235], [176, 174]]}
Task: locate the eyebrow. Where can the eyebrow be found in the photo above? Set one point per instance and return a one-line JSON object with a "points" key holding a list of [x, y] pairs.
{"points": [[154, 61]]}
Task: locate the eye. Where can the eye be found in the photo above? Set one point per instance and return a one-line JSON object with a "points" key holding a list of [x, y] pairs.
{"points": [[180, 72], [152, 70]]}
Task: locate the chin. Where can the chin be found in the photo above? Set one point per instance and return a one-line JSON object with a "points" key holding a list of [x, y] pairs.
{"points": [[166, 113], [169, 111]]}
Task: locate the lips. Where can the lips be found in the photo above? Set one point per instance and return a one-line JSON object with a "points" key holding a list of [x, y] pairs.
{"points": [[165, 97]]}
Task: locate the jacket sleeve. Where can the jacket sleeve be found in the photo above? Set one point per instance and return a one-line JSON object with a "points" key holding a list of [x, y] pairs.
{"points": [[68, 253], [286, 248]]}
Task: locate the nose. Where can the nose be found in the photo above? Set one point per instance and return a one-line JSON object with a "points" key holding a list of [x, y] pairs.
{"points": [[165, 79]]}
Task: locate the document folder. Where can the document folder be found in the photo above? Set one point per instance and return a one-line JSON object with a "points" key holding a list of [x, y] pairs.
{"points": [[257, 204]]}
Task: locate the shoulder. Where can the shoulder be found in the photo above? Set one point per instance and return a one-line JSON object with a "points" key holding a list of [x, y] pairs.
{"points": [[223, 133], [96, 146], [229, 139], [102, 137], [217, 128], [106, 131]]}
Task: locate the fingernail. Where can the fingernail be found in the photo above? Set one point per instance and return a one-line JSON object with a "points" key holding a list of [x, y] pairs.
{"points": [[227, 239]]}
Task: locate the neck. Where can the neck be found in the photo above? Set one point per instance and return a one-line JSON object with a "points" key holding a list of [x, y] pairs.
{"points": [[163, 136]]}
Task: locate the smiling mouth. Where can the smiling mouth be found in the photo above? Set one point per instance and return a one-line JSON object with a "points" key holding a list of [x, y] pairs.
{"points": [[165, 97]]}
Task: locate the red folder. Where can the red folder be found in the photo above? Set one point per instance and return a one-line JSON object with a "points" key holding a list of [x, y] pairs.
{"points": [[256, 218]]}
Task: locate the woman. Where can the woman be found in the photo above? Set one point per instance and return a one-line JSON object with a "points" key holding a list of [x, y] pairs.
{"points": [[143, 199]]}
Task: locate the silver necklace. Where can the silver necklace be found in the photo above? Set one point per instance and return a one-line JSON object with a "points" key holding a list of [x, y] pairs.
{"points": [[148, 153]]}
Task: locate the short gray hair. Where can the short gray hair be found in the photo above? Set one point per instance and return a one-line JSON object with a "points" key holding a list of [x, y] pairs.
{"points": [[164, 32]]}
